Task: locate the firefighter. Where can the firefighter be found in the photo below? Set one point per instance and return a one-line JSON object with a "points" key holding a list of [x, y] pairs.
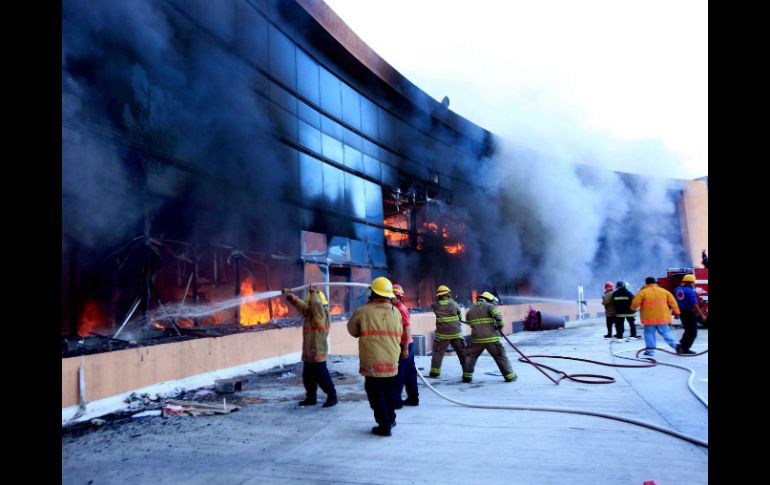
{"points": [[621, 300], [407, 372], [447, 330], [485, 320], [655, 305], [315, 332], [378, 328], [687, 300], [609, 308]]}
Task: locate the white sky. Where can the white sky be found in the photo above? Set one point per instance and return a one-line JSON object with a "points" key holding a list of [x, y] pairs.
{"points": [[623, 83]]}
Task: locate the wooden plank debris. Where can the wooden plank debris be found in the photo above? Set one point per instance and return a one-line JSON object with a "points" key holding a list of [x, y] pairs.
{"points": [[194, 408]]}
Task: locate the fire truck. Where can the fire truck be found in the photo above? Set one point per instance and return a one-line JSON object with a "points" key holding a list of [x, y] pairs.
{"points": [[674, 278]]}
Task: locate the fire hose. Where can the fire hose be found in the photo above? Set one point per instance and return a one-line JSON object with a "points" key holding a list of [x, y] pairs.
{"points": [[524, 358], [651, 426]]}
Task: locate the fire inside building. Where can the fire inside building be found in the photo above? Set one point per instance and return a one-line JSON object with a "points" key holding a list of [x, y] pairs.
{"points": [[214, 150]]}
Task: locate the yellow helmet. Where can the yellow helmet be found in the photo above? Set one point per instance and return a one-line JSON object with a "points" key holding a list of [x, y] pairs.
{"points": [[688, 278], [323, 297], [382, 286], [488, 296], [442, 290]]}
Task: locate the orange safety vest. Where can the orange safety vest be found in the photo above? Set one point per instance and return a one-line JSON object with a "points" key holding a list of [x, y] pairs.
{"points": [[655, 305]]}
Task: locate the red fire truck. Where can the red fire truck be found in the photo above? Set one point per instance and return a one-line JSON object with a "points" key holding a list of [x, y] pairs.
{"points": [[674, 278]]}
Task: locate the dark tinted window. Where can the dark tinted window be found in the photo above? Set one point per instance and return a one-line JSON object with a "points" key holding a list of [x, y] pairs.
{"points": [[330, 93], [369, 118], [351, 106], [282, 58], [309, 137], [373, 201], [311, 177], [284, 122], [372, 167], [307, 113], [356, 196], [308, 83], [218, 17], [353, 159], [283, 98], [332, 148], [334, 187], [252, 35]]}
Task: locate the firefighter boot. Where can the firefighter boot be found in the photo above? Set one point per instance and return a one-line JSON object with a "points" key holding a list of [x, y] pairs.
{"points": [[381, 431], [511, 377]]}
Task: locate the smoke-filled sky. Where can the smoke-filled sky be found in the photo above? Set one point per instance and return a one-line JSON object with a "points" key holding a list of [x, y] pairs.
{"points": [[547, 215], [618, 84]]}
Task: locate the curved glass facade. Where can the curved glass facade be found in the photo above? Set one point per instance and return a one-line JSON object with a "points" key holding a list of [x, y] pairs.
{"points": [[301, 164]]}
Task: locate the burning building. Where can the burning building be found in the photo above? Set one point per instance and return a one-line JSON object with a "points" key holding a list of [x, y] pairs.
{"points": [[213, 150], [216, 149]]}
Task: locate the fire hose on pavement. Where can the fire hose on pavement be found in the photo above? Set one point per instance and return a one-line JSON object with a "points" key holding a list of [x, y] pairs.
{"points": [[524, 358]]}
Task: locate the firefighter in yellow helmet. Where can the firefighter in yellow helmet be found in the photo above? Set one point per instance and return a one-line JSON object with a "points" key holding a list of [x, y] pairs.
{"points": [[377, 326], [448, 330], [687, 300], [485, 319], [315, 332]]}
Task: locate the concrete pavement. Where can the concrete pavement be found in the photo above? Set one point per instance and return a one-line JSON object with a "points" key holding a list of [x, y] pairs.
{"points": [[271, 440]]}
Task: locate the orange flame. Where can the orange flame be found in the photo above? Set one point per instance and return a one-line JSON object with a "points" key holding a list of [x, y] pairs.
{"points": [[252, 312], [454, 248], [432, 226], [474, 294], [93, 317], [394, 238], [336, 309], [280, 310]]}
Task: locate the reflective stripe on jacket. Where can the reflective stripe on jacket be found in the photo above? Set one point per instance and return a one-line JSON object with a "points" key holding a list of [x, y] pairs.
{"points": [[655, 305], [447, 319], [378, 327], [315, 328], [621, 301], [484, 319]]}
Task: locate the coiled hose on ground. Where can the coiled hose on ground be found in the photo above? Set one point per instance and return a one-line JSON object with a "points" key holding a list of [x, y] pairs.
{"points": [[573, 377], [524, 358]]}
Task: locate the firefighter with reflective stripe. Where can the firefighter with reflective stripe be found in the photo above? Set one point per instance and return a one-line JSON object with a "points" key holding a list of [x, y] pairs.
{"points": [[609, 308], [448, 330], [687, 300], [377, 326], [621, 300], [655, 305], [315, 333], [485, 319]]}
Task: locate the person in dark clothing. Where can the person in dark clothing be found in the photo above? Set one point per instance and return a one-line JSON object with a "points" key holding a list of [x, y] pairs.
{"points": [[687, 300], [704, 258], [621, 299]]}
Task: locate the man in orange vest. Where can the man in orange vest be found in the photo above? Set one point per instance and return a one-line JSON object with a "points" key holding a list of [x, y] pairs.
{"points": [[655, 305], [378, 328]]}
